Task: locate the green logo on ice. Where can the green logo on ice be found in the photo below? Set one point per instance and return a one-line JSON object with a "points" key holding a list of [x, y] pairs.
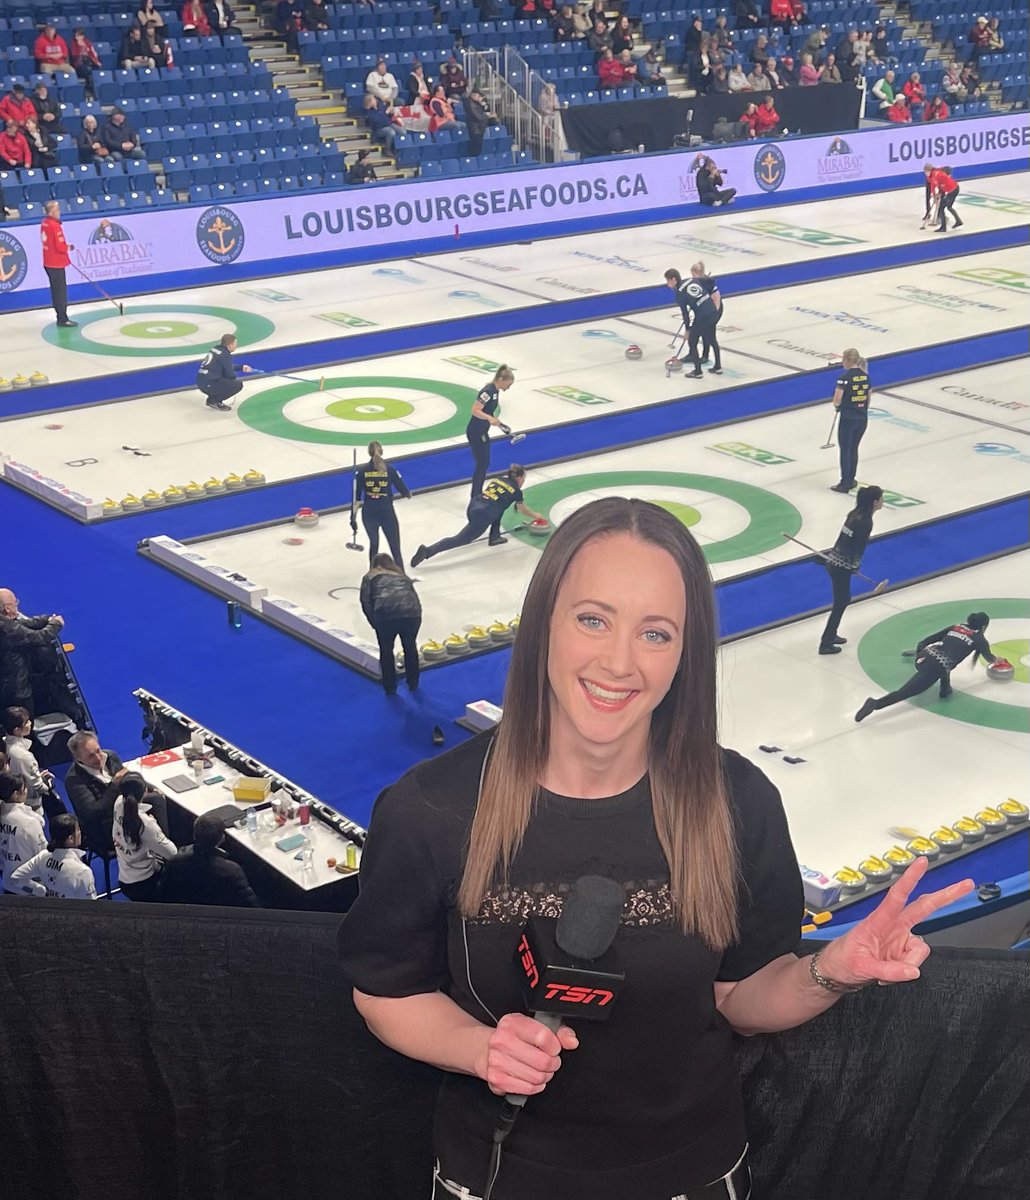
{"points": [[751, 454], [346, 319], [897, 500], [1003, 277], [797, 233], [1003, 204], [575, 395], [270, 294], [475, 363]]}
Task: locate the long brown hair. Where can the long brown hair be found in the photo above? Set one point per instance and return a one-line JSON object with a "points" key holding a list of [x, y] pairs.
{"points": [[375, 453], [689, 794]]}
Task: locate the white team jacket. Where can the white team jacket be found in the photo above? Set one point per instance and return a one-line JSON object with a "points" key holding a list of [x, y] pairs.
{"points": [[137, 863], [21, 837], [58, 873], [21, 761]]}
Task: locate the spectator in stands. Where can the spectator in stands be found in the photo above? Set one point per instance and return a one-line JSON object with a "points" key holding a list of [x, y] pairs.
{"points": [[194, 19], [772, 73], [622, 36], [936, 110], [722, 36], [381, 120], [203, 873], [478, 118], [139, 842], [289, 21], [315, 16], [600, 40], [699, 66], [452, 76], [597, 13], [420, 86], [785, 71], [720, 84], [883, 90], [788, 14], [21, 828], [361, 170], [970, 79], [880, 51], [581, 21], [88, 142], [42, 146], [57, 870], [830, 72], [158, 49], [609, 69], [649, 69], [441, 111], [694, 37], [20, 635], [979, 38], [808, 72], [738, 80], [380, 83], [747, 122], [845, 56], [220, 16], [548, 103], [564, 30], [767, 119], [815, 43], [899, 111], [51, 53], [48, 111], [17, 727], [16, 106], [915, 94], [746, 14], [758, 81], [84, 58], [121, 140], [149, 17], [996, 41], [951, 83], [760, 50], [133, 50]]}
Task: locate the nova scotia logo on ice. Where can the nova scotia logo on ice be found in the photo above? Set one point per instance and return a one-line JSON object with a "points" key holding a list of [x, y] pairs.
{"points": [[770, 168], [220, 234]]}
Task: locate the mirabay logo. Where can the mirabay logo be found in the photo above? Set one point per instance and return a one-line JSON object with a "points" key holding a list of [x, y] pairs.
{"points": [[220, 235], [770, 168], [14, 262], [112, 252], [839, 162]]}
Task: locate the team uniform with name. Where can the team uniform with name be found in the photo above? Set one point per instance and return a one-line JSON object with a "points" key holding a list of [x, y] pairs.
{"points": [[700, 316], [21, 838], [59, 874], [373, 489], [854, 417]]}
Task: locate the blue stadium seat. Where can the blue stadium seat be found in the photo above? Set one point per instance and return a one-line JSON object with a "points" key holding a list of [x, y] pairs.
{"points": [[200, 192]]}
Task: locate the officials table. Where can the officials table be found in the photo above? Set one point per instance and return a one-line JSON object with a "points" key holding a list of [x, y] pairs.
{"points": [[279, 877]]}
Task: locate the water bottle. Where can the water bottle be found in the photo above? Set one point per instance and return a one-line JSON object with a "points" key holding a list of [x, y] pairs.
{"points": [[252, 822]]}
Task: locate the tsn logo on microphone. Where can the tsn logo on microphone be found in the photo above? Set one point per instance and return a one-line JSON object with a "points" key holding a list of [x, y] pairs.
{"points": [[556, 983], [566, 993]]}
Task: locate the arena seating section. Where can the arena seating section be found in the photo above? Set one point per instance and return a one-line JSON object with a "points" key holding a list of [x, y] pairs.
{"points": [[214, 126]]}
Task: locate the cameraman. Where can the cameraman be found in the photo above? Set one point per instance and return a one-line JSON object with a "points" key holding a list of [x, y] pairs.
{"points": [[709, 183]]}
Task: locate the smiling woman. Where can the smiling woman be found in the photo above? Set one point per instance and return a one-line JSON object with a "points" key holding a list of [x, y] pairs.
{"points": [[605, 763]]}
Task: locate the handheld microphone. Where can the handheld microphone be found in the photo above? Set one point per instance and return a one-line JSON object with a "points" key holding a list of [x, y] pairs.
{"points": [[568, 967]]}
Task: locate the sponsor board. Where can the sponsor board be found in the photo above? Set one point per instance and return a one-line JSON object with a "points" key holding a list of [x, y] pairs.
{"points": [[574, 395], [14, 262], [839, 162], [770, 167], [220, 235], [113, 252], [750, 454], [798, 233]]}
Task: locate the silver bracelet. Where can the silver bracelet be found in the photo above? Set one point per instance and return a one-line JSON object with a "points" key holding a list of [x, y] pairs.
{"points": [[829, 984]]}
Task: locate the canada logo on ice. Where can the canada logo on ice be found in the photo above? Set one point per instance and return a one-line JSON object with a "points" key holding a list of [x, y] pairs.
{"points": [[770, 168], [220, 234], [14, 263]]}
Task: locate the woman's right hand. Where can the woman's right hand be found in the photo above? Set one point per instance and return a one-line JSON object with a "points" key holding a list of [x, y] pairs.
{"points": [[522, 1055]]}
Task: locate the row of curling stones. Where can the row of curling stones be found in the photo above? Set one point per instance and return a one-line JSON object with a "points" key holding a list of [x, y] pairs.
{"points": [[174, 494], [478, 637], [966, 831], [36, 379]]}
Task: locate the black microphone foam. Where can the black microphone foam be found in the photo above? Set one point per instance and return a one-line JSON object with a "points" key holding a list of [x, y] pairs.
{"points": [[590, 917]]}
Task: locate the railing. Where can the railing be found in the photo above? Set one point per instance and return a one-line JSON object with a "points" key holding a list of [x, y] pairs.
{"points": [[512, 90]]}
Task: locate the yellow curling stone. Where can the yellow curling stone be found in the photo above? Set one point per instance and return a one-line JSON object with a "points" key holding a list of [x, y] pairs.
{"points": [[924, 848], [876, 870], [1013, 811], [433, 651], [173, 494], [131, 503], [455, 645], [193, 489], [20, 381], [991, 819], [948, 840], [152, 499], [5, 385], [969, 830], [214, 487], [253, 478], [499, 632], [234, 482], [899, 858], [850, 880], [37, 378], [112, 507], [478, 637]]}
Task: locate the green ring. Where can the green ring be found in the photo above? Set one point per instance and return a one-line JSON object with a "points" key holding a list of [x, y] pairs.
{"points": [[385, 408], [143, 329], [248, 327], [770, 516], [265, 412], [879, 654]]}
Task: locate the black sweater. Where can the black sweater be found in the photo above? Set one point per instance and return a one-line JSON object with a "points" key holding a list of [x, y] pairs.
{"points": [[649, 1104]]}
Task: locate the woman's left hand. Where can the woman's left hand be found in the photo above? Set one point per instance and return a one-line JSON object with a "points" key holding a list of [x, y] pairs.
{"points": [[882, 948]]}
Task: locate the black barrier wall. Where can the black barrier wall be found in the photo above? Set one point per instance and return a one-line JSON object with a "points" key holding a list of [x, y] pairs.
{"points": [[186, 1054], [827, 108]]}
